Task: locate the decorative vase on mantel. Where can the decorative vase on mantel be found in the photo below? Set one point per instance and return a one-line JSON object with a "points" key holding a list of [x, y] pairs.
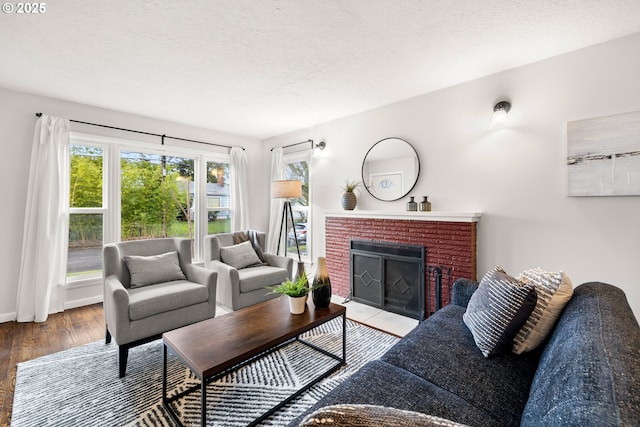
{"points": [[412, 205], [349, 198], [425, 204], [321, 285]]}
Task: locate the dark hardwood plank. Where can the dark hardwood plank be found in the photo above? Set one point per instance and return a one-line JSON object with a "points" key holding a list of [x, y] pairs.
{"points": [[20, 342]]}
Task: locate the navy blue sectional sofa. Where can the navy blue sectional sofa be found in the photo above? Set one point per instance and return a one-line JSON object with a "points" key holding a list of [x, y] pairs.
{"points": [[587, 373]]}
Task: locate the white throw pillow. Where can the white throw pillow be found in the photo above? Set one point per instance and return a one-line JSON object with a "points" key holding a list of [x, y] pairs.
{"points": [[239, 256], [554, 291]]}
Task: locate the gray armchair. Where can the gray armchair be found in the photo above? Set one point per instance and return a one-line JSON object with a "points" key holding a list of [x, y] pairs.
{"points": [[239, 288], [151, 287]]}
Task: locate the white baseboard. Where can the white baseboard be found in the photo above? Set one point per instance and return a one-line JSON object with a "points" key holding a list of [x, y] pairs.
{"points": [[82, 302], [7, 317], [10, 317]]}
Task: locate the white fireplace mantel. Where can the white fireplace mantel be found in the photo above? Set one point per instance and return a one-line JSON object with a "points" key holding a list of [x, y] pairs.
{"points": [[445, 216]]}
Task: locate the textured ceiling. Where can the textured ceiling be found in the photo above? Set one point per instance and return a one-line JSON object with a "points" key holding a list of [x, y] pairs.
{"points": [[263, 68]]}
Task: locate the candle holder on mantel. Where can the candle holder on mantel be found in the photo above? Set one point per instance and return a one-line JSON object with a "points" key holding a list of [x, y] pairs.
{"points": [[425, 204], [412, 206]]}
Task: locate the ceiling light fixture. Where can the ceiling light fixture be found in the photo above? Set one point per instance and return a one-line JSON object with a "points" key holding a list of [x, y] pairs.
{"points": [[500, 113]]}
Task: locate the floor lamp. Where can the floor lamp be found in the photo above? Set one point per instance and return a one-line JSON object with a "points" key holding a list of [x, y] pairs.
{"points": [[287, 189]]}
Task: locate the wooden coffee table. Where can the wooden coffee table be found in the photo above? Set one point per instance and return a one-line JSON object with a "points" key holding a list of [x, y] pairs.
{"points": [[214, 347]]}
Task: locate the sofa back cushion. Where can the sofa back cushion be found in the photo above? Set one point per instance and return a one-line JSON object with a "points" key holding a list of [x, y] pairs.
{"points": [[589, 371]]}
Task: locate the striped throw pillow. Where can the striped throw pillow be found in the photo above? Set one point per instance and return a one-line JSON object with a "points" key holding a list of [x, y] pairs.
{"points": [[554, 291], [497, 310]]}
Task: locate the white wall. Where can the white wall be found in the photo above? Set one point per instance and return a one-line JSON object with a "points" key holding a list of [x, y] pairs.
{"points": [[516, 176], [17, 120]]}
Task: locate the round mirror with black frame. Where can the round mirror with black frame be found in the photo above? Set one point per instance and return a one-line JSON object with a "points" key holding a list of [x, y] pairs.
{"points": [[390, 169]]}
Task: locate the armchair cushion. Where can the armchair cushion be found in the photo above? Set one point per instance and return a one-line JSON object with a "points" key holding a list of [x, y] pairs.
{"points": [[149, 270], [239, 256], [163, 297], [256, 278]]}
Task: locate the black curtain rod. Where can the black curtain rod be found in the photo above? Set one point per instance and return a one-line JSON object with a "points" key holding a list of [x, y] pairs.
{"points": [[147, 133], [308, 141]]}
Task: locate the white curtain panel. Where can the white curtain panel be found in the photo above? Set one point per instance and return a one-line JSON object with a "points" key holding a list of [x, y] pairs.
{"points": [[46, 230], [239, 190], [277, 205]]}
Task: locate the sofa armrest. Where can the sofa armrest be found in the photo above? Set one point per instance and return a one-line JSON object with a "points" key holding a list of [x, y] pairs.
{"points": [[227, 276], [203, 276], [116, 307], [462, 291], [200, 275], [279, 261]]}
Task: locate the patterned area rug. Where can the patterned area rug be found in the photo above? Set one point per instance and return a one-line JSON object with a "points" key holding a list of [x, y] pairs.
{"points": [[80, 387]]}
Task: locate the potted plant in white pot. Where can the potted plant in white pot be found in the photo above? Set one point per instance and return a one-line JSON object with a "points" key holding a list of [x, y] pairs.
{"points": [[297, 290]]}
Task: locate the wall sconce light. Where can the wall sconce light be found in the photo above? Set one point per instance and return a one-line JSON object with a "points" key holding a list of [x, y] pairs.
{"points": [[500, 113], [321, 145]]}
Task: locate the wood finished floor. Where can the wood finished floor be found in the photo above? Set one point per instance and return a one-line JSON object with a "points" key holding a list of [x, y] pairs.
{"points": [[20, 342]]}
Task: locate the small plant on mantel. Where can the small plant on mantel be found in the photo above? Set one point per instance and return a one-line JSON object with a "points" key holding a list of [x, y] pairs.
{"points": [[349, 199], [350, 186]]}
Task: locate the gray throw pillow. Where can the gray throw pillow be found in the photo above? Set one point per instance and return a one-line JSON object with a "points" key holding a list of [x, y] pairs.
{"points": [[149, 270], [239, 256], [497, 311]]}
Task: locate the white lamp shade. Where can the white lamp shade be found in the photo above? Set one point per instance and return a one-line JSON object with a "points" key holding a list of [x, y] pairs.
{"points": [[286, 189]]}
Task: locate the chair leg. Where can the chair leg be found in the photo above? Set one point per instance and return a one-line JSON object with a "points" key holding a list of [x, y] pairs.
{"points": [[107, 338], [123, 354]]}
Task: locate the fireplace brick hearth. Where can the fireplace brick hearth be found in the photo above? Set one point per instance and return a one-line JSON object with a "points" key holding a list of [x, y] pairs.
{"points": [[449, 240]]}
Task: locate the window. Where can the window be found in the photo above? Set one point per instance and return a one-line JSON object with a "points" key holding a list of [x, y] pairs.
{"points": [[156, 196], [297, 167], [86, 211], [217, 207], [126, 190]]}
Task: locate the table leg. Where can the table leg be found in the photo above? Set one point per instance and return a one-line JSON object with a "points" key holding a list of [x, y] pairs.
{"points": [[164, 374], [203, 399], [344, 337]]}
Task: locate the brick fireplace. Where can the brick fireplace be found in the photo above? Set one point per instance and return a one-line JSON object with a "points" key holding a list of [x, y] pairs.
{"points": [[449, 239]]}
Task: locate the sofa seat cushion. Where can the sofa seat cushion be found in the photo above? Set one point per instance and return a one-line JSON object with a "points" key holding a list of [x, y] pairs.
{"points": [[378, 383], [162, 297], [256, 278], [442, 351]]}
